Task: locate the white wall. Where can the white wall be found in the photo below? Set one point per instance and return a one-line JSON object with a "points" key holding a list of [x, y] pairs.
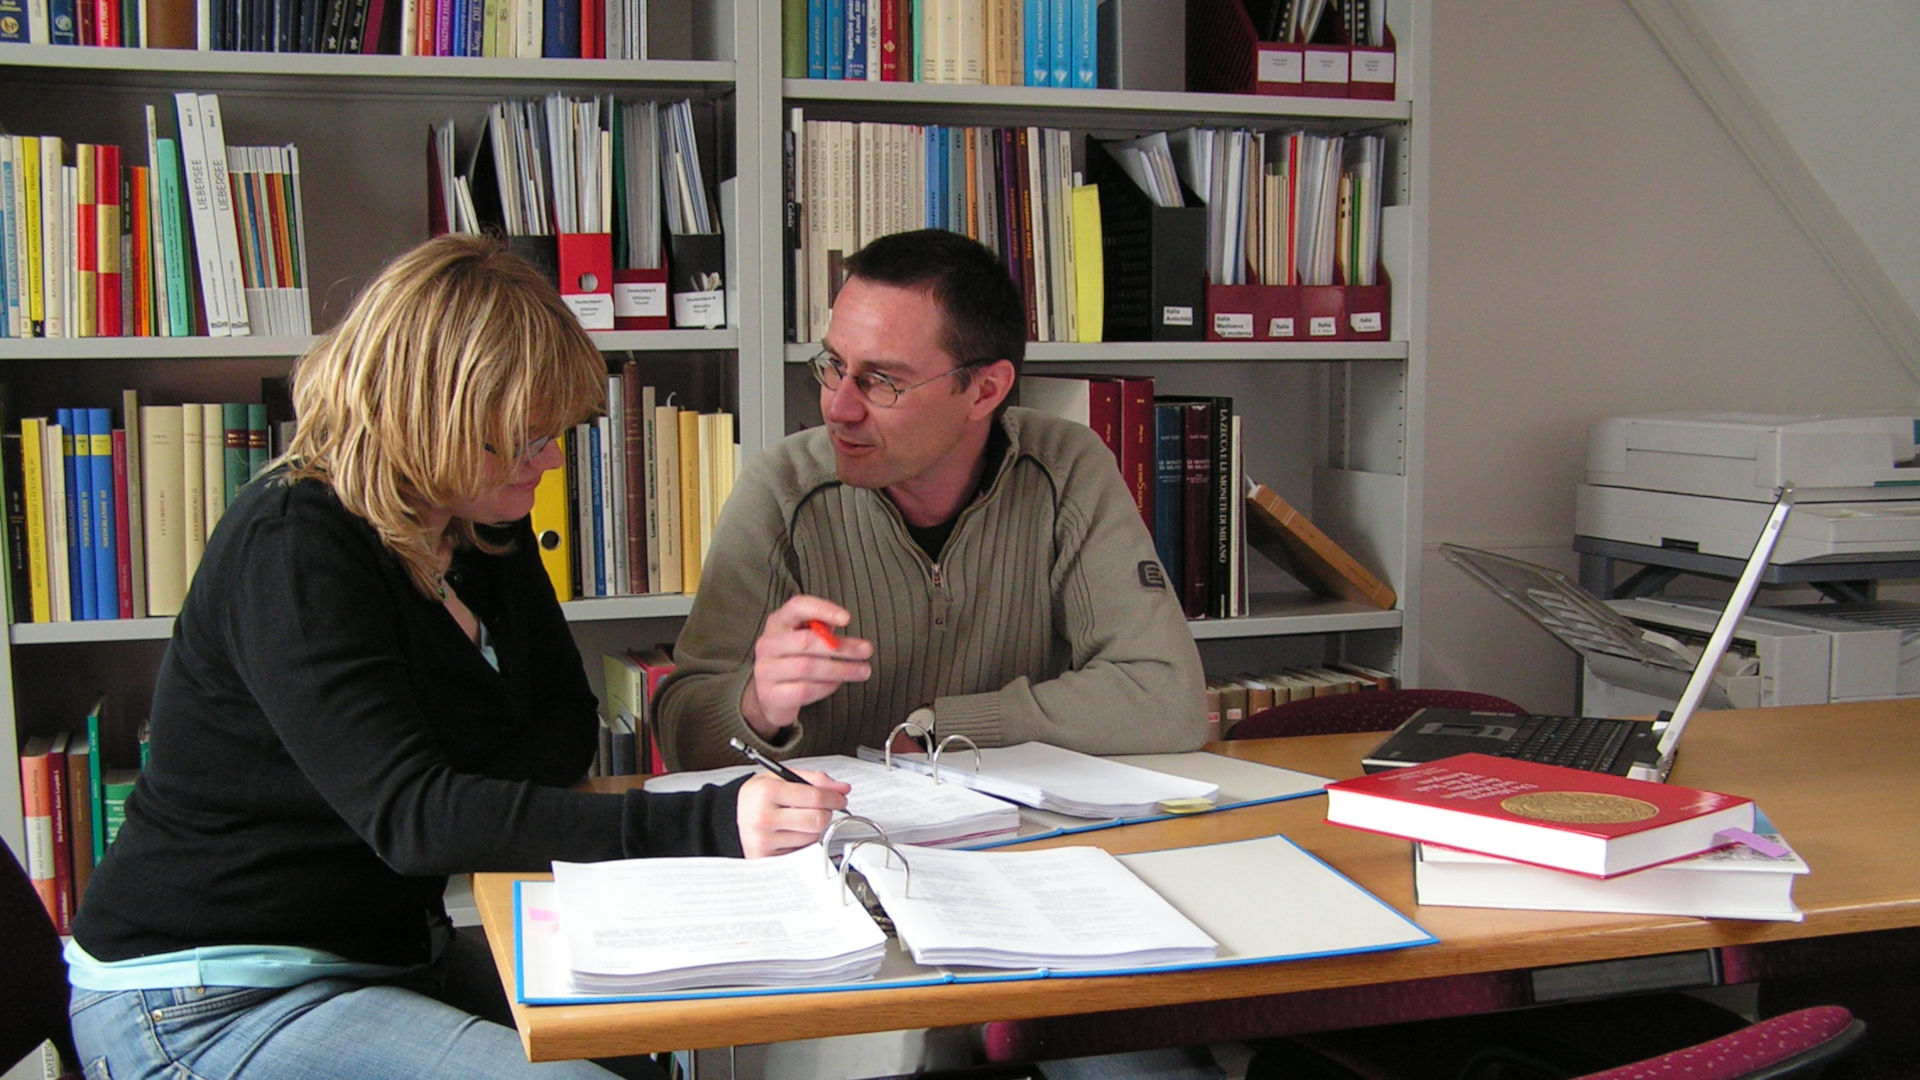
{"points": [[1598, 247]]}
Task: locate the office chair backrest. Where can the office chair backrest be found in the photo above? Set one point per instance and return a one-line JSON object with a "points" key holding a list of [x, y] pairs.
{"points": [[1796, 1044], [1366, 710], [33, 991]]}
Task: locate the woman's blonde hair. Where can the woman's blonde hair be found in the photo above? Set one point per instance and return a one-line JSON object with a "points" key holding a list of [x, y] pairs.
{"points": [[457, 352]]}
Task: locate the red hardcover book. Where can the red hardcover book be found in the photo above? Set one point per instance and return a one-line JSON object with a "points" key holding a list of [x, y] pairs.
{"points": [[106, 168], [122, 553], [1196, 550], [86, 248], [889, 40], [1136, 443], [593, 29], [1584, 822]]}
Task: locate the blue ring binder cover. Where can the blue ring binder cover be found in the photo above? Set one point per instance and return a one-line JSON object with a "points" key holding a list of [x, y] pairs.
{"points": [[1320, 913]]}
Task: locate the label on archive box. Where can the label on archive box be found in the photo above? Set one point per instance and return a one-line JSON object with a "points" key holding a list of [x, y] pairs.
{"points": [[1373, 66], [640, 299], [1176, 315], [1323, 326], [594, 310], [1233, 324], [700, 310], [1281, 327], [1279, 66], [1364, 322], [1326, 65]]}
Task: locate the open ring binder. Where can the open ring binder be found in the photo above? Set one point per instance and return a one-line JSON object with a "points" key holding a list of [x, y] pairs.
{"points": [[933, 758], [846, 865], [826, 838], [912, 730]]}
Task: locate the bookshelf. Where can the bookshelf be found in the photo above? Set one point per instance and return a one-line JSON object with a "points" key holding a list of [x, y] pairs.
{"points": [[1336, 430]]}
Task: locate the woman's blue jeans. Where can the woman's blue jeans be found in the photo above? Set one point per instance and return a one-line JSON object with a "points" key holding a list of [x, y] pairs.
{"points": [[328, 1029]]}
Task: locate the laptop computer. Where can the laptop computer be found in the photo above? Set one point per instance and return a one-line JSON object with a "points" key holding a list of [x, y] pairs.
{"points": [[1643, 749]]}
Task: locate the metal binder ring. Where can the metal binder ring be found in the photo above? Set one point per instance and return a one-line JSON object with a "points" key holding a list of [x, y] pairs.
{"points": [[846, 864], [826, 838], [933, 759], [911, 729]]}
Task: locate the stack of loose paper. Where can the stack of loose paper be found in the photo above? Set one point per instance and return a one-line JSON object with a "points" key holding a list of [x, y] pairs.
{"points": [[1738, 882], [1064, 781], [910, 808], [644, 925], [1066, 909]]}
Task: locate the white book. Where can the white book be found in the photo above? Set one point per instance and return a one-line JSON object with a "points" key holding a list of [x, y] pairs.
{"points": [[38, 29], [1735, 882], [1064, 781], [908, 806], [54, 235], [193, 475], [1063, 909], [206, 226], [665, 924]]}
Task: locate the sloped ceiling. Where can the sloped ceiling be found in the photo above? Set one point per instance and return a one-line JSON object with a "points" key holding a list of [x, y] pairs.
{"points": [[1821, 97]]}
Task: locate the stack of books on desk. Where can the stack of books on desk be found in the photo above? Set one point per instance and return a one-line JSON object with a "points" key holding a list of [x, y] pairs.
{"points": [[1738, 882], [1497, 832]]}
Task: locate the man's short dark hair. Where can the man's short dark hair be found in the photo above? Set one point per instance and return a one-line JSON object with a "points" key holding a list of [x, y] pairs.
{"points": [[985, 313]]}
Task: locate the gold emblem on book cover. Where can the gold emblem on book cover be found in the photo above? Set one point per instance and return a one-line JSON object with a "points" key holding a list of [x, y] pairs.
{"points": [[1579, 807]]}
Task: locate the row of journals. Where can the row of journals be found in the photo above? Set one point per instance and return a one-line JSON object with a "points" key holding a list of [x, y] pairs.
{"points": [[205, 238], [607, 197], [1233, 698], [632, 509], [587, 29], [968, 42], [1180, 457], [1189, 235], [72, 807], [109, 522]]}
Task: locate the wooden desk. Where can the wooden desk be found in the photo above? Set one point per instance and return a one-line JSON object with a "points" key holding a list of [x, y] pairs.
{"points": [[1839, 781]]}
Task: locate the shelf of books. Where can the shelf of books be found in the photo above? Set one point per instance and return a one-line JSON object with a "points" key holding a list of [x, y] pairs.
{"points": [[282, 71]]}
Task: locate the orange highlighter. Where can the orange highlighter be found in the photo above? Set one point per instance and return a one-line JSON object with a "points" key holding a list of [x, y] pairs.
{"points": [[824, 632]]}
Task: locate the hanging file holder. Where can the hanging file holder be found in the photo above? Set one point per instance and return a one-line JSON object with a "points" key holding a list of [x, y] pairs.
{"points": [[1154, 258], [697, 265]]}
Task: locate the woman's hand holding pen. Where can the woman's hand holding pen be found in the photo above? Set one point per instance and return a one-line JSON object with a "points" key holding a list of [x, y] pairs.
{"points": [[777, 816], [800, 658]]}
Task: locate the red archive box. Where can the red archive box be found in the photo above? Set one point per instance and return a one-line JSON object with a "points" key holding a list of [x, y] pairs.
{"points": [[1299, 312], [1225, 55]]}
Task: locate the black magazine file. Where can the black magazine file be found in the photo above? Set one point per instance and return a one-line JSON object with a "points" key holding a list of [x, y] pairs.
{"points": [[1155, 258]]}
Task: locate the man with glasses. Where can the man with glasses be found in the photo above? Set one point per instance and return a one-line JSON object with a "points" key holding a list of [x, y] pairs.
{"points": [[930, 553]]}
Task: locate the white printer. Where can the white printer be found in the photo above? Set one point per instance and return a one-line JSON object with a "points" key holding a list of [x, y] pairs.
{"points": [[1800, 655], [1705, 481]]}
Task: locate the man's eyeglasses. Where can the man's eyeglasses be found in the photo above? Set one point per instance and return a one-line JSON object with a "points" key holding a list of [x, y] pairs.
{"points": [[527, 453], [830, 371]]}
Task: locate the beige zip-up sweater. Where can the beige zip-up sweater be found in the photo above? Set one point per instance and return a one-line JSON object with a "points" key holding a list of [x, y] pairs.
{"points": [[1047, 616]]}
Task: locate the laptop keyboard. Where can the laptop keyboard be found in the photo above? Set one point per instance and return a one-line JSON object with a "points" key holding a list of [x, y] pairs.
{"points": [[1581, 742]]}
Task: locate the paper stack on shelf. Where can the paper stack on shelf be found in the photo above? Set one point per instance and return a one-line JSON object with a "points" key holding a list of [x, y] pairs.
{"points": [[910, 807], [1066, 909], [639, 925], [1064, 781]]}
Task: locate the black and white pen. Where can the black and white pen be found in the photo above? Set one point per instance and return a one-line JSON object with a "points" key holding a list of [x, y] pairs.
{"points": [[766, 762]]}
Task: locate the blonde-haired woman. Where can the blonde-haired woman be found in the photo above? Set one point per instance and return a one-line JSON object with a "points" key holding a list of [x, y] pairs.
{"points": [[370, 686]]}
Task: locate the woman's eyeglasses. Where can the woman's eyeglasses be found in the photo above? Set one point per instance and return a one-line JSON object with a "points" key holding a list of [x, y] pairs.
{"points": [[527, 453]]}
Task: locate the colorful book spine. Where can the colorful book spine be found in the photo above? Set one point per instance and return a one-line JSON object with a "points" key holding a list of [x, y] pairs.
{"points": [[33, 487], [122, 529], [1037, 46], [233, 438], [836, 39], [78, 477], [258, 450], [817, 39], [98, 493]]}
